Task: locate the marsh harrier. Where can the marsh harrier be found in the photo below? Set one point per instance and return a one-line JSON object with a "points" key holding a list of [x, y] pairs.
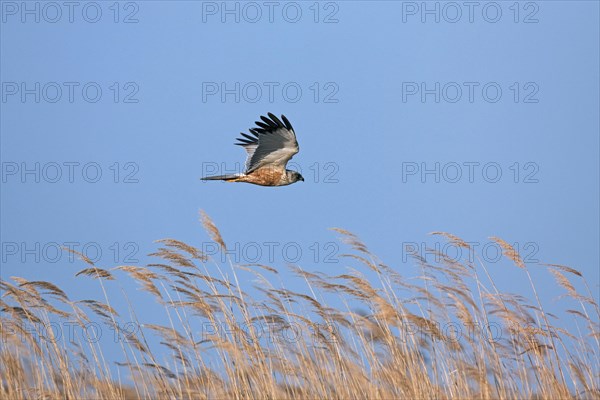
{"points": [[270, 147]]}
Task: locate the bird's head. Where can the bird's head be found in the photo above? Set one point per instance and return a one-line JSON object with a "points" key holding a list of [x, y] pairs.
{"points": [[294, 176]]}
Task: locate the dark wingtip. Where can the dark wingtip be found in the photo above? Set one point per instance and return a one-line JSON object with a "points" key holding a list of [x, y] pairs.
{"points": [[272, 124], [287, 123], [263, 126], [276, 120], [251, 138]]}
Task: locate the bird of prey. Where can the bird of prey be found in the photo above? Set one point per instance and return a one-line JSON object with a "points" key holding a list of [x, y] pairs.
{"points": [[272, 144]]}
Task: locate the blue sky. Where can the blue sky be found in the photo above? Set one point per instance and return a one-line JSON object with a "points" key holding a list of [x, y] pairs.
{"points": [[379, 93]]}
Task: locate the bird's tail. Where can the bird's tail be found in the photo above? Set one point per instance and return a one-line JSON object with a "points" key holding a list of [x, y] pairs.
{"points": [[228, 178]]}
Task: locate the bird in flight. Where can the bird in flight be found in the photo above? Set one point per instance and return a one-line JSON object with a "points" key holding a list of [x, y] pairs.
{"points": [[272, 144]]}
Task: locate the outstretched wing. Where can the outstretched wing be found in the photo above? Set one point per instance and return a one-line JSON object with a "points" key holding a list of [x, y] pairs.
{"points": [[273, 143]]}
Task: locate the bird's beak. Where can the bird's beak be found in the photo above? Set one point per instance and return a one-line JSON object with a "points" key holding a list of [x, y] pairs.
{"points": [[302, 179]]}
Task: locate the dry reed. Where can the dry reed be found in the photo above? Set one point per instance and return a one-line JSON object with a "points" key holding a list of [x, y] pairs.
{"points": [[449, 333]]}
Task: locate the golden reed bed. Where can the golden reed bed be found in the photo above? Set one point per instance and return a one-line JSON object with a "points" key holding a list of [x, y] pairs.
{"points": [[364, 332]]}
